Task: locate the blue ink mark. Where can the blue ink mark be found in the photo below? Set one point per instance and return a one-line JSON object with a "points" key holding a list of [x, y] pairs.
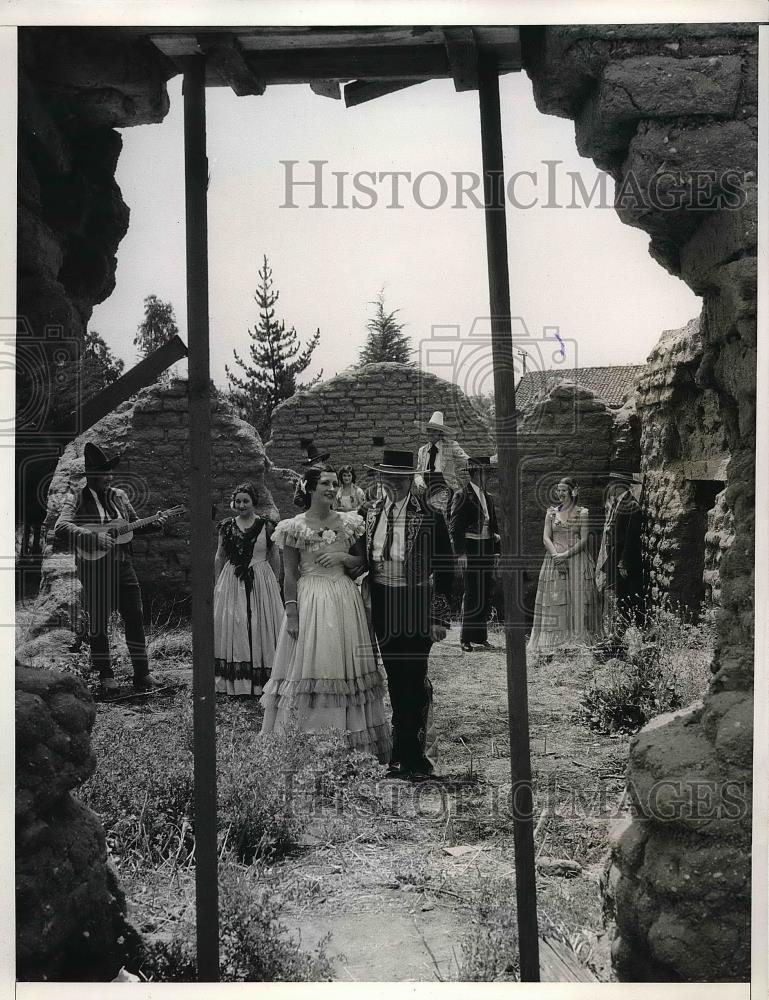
{"points": [[563, 348]]}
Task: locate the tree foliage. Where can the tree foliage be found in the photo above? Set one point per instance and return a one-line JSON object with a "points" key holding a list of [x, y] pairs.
{"points": [[386, 340], [157, 327], [275, 360]]}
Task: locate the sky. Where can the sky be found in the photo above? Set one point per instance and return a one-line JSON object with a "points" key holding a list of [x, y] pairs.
{"points": [[578, 271]]}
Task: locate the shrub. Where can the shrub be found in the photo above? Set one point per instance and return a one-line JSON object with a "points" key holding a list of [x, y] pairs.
{"points": [[624, 696], [254, 946]]}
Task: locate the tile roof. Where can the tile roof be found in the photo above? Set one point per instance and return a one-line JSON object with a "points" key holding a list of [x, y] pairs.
{"points": [[610, 383]]}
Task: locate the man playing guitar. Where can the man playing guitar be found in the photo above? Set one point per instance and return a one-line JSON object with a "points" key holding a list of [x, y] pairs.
{"points": [[105, 568]]}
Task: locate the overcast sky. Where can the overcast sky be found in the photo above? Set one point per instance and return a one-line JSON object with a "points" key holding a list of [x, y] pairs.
{"points": [[576, 269]]}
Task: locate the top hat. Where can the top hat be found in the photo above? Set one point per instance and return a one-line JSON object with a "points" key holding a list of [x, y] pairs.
{"points": [[313, 455], [397, 463], [94, 459], [436, 423]]}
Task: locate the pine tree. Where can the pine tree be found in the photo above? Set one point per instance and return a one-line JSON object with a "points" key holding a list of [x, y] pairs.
{"points": [[276, 360], [385, 340], [81, 378]]}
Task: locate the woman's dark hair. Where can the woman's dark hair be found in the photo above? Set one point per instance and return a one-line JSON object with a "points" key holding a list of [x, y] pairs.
{"points": [[312, 478], [346, 468], [572, 484], [247, 487]]}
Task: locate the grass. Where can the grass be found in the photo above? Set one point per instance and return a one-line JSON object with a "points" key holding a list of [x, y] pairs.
{"points": [[308, 829]]}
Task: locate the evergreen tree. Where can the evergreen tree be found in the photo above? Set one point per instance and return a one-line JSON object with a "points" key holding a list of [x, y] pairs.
{"points": [[276, 360], [386, 341]]}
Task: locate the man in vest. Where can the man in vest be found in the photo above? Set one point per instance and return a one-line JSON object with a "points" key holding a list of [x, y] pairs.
{"points": [[105, 569]]}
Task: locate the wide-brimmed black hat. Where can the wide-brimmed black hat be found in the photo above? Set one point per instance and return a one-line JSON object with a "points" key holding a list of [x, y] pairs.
{"points": [[397, 463], [483, 460], [314, 455], [94, 459]]}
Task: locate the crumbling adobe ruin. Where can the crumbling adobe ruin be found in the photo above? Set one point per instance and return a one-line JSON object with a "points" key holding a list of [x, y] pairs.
{"points": [[654, 104], [651, 104]]}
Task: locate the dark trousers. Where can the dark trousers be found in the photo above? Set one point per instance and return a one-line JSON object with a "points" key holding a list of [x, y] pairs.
{"points": [[110, 584], [402, 622], [479, 583]]}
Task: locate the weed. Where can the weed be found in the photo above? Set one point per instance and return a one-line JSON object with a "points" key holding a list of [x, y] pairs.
{"points": [[254, 946]]}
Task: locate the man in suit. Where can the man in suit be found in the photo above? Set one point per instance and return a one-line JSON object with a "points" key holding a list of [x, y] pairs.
{"points": [[619, 575], [407, 544], [476, 541], [105, 569]]}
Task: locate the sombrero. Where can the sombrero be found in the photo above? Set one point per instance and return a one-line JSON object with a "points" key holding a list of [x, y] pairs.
{"points": [[94, 459], [435, 423]]}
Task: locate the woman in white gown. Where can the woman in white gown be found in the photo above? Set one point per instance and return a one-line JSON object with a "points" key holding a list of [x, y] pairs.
{"points": [[248, 610], [325, 674]]}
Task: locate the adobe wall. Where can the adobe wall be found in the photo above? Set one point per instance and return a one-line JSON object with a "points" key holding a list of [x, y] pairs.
{"points": [[343, 414], [659, 105], [684, 454]]}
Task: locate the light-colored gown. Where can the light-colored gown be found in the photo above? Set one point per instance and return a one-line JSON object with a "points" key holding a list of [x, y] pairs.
{"points": [[232, 657], [566, 607], [328, 676]]}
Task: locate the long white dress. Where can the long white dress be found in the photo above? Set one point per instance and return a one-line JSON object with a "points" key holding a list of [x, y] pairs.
{"points": [[328, 676], [232, 657]]}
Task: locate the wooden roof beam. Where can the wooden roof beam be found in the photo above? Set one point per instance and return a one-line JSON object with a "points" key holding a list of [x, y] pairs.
{"points": [[360, 91], [326, 88], [224, 55], [462, 53]]}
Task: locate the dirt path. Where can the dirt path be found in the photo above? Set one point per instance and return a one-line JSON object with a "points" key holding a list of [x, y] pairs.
{"points": [[399, 908]]}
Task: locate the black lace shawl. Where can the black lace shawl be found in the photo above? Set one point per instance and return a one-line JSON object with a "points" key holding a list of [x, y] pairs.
{"points": [[239, 545]]}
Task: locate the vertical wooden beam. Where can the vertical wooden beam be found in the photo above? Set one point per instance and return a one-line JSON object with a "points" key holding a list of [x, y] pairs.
{"points": [[202, 572], [508, 457]]}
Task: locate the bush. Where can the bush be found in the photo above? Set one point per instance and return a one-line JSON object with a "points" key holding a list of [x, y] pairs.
{"points": [[624, 696], [254, 946]]}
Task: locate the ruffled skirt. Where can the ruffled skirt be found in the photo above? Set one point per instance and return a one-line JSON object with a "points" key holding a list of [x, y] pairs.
{"points": [[232, 658], [328, 677]]}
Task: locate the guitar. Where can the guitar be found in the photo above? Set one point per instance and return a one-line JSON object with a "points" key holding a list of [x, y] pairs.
{"points": [[122, 531]]}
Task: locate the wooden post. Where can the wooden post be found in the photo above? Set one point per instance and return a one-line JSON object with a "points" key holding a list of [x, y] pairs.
{"points": [[202, 572], [507, 452]]}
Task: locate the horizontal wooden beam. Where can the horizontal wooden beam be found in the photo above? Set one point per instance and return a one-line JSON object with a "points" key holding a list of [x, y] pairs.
{"points": [[417, 59], [361, 91]]}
